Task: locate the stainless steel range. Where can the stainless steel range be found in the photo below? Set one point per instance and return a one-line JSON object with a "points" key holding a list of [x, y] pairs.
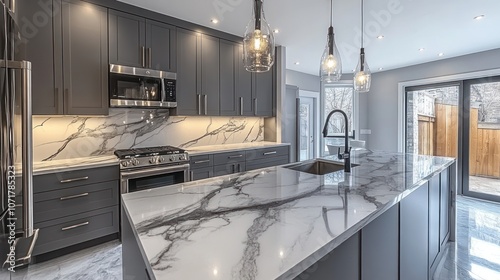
{"points": [[147, 168]]}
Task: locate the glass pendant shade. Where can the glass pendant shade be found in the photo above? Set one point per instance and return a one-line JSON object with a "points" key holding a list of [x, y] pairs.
{"points": [[331, 63], [258, 42], [363, 76]]}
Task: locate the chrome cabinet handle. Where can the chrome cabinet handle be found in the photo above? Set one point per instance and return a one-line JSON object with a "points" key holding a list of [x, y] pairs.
{"points": [[233, 168], [150, 60], [241, 106], [191, 176], [255, 106], [75, 226], [270, 153], [143, 56], [201, 161], [239, 167], [237, 156], [74, 180], [199, 104], [74, 196], [206, 104]]}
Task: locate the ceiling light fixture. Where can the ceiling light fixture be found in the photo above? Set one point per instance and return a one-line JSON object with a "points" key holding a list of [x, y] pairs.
{"points": [[480, 17], [258, 42], [441, 54], [331, 64], [363, 76], [214, 21], [421, 49], [276, 31], [380, 37], [297, 63], [381, 68]]}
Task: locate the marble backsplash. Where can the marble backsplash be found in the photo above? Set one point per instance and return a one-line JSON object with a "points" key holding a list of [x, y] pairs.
{"points": [[64, 137]]}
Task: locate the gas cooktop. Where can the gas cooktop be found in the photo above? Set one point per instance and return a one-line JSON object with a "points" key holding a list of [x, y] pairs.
{"points": [[151, 156]]}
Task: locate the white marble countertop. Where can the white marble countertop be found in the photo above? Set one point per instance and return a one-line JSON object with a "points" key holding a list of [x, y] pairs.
{"points": [[268, 223], [213, 149], [44, 167]]}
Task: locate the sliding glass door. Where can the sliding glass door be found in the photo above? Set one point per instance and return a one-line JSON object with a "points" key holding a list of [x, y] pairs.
{"points": [[481, 176], [459, 120]]}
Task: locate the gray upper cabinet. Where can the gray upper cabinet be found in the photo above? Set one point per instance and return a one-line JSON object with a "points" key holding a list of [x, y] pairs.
{"points": [[138, 42], [85, 58], [263, 94], [243, 86], [43, 49], [197, 74], [188, 97], [228, 57], [70, 58]]}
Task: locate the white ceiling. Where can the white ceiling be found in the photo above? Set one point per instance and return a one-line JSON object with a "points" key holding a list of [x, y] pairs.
{"points": [[445, 26]]}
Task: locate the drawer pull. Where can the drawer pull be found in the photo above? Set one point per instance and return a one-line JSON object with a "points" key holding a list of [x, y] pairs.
{"points": [[74, 180], [201, 161], [75, 226], [237, 156], [74, 196], [270, 153]]}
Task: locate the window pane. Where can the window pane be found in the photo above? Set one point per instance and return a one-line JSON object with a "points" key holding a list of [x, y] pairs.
{"points": [[339, 98]]}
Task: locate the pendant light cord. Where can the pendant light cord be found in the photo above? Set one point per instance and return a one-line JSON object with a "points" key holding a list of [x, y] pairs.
{"points": [[331, 12], [362, 22]]}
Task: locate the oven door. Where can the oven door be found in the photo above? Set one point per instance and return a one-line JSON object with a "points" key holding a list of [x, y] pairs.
{"points": [[148, 178]]}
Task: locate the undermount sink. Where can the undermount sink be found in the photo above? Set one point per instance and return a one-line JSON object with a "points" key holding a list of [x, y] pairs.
{"points": [[318, 167]]}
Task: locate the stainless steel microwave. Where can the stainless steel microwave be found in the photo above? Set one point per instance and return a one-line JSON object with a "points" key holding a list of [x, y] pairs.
{"points": [[133, 87]]}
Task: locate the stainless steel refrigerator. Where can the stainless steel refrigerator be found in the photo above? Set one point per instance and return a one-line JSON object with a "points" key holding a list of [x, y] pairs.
{"points": [[17, 234]]}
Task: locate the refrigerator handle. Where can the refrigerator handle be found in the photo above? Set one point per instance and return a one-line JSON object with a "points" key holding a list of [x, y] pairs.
{"points": [[27, 154]]}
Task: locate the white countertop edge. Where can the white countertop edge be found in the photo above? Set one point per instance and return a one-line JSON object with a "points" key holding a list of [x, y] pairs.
{"points": [[217, 149]]}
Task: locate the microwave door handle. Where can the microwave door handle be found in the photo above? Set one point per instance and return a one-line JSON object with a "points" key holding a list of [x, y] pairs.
{"points": [[163, 92]]}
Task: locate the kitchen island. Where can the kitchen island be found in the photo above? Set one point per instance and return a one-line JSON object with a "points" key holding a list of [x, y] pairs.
{"points": [[278, 223]]}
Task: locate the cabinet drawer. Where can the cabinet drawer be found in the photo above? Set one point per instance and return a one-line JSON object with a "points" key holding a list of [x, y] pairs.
{"points": [[69, 179], [267, 153], [71, 230], [201, 173], [70, 201], [267, 162], [230, 168], [232, 157], [196, 162]]}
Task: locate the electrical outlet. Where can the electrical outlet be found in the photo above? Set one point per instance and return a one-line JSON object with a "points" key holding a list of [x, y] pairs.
{"points": [[366, 131]]}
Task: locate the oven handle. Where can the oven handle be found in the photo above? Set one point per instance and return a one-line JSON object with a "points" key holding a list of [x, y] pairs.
{"points": [[149, 172]]}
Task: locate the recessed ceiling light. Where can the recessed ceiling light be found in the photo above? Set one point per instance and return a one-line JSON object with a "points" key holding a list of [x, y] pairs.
{"points": [[440, 54], [297, 63], [380, 37], [421, 49], [276, 31], [214, 21], [353, 70], [381, 68], [480, 17]]}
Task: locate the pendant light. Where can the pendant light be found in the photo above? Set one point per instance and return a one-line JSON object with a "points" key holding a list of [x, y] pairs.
{"points": [[258, 42], [363, 76], [331, 64]]}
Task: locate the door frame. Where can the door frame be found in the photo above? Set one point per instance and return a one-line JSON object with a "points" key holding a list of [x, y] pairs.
{"points": [[316, 100]]}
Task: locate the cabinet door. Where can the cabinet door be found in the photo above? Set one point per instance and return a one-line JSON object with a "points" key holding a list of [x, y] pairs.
{"points": [[85, 58], [434, 193], [243, 86], [263, 94], [413, 232], [188, 97], [201, 173], [444, 205], [127, 39], [160, 44], [42, 42], [210, 74], [228, 104]]}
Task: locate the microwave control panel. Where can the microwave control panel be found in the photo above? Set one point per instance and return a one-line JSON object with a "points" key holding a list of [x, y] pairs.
{"points": [[170, 88]]}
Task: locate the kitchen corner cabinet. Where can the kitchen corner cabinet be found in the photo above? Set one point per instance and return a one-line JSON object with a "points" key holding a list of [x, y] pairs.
{"points": [[138, 42], [263, 93], [197, 74], [70, 58]]}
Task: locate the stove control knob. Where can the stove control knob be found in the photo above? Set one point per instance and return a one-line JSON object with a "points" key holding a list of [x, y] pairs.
{"points": [[135, 162], [161, 159], [171, 158], [180, 157], [152, 160], [124, 163]]}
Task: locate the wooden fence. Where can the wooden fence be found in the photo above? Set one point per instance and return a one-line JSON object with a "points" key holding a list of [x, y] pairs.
{"points": [[439, 136]]}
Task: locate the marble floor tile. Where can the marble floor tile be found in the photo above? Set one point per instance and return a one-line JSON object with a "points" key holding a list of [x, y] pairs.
{"points": [[476, 253]]}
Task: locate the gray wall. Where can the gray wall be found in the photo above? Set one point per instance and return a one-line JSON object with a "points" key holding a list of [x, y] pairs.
{"points": [[302, 80], [379, 108]]}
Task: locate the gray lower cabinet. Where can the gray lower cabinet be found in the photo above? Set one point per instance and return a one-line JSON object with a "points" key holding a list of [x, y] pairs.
{"points": [[75, 206], [414, 229], [201, 167], [342, 263], [133, 264], [379, 247], [444, 207], [69, 55], [138, 42], [267, 157]]}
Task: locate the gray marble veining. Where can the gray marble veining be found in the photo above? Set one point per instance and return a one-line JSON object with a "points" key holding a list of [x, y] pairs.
{"points": [[270, 221], [68, 137]]}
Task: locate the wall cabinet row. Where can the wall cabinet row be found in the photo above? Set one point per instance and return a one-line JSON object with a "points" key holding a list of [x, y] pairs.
{"points": [[211, 79]]}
